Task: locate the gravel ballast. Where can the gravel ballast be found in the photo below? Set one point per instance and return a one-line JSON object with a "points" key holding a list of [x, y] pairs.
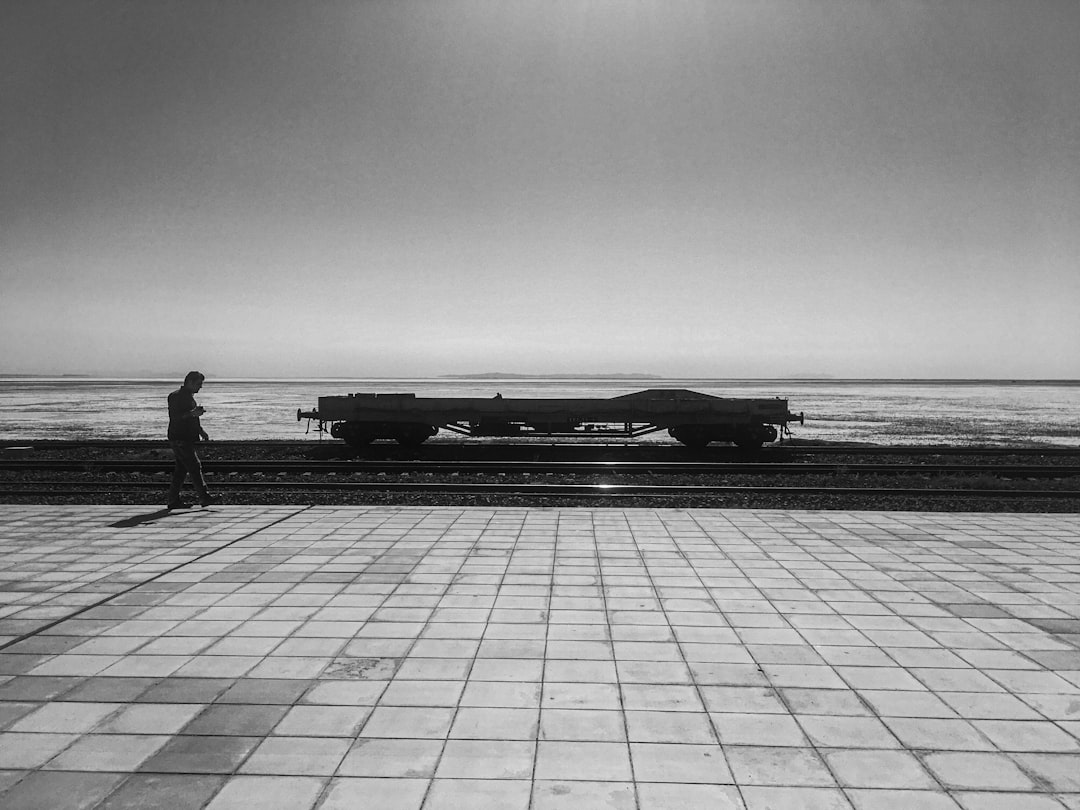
{"points": [[278, 491]]}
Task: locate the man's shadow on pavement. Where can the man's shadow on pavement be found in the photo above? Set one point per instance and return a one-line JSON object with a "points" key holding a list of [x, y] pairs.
{"points": [[138, 520]]}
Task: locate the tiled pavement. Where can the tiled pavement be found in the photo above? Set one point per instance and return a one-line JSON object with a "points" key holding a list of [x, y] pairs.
{"points": [[404, 658]]}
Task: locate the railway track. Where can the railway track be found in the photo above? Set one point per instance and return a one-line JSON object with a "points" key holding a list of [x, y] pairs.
{"points": [[794, 445], [551, 467], [265, 472], [530, 490], [446, 450]]}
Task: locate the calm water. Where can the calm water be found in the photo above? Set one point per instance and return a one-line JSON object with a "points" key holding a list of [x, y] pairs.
{"points": [[1000, 413]]}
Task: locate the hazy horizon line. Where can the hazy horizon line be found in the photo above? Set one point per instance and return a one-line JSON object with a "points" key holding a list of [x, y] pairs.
{"points": [[489, 377]]}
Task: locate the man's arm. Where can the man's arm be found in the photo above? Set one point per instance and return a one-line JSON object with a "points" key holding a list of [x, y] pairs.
{"points": [[181, 407]]}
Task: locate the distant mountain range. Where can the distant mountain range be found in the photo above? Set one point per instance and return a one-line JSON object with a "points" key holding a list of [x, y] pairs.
{"points": [[32, 376], [500, 375]]}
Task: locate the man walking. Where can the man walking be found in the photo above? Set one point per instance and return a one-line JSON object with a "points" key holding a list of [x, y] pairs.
{"points": [[184, 432]]}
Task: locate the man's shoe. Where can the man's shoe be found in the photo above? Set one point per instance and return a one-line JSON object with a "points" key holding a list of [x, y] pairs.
{"points": [[179, 505], [207, 500]]}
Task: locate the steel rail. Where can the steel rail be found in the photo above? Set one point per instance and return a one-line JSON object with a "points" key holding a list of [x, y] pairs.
{"points": [[40, 488], [786, 447], [554, 467]]}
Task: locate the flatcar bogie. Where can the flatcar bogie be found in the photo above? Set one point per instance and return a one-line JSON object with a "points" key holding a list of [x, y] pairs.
{"points": [[745, 436], [410, 434], [354, 434]]}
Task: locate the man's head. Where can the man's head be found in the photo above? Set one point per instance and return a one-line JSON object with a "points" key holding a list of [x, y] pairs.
{"points": [[194, 380]]}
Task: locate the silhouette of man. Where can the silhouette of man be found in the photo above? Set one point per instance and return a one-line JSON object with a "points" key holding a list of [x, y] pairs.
{"points": [[185, 431]]}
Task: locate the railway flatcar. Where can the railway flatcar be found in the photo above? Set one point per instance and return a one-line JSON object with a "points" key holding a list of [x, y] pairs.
{"points": [[692, 418]]}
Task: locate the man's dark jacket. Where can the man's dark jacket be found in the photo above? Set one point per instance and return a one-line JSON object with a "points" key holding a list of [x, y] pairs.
{"points": [[183, 425]]}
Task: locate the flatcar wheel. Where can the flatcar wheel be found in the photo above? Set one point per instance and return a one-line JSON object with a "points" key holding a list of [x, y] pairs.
{"points": [[354, 435], [414, 435], [690, 435], [752, 440]]}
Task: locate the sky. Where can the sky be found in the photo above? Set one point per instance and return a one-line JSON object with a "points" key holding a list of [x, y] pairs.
{"points": [[721, 188]]}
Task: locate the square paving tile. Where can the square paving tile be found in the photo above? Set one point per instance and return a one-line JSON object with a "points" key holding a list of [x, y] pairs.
{"points": [[881, 769], [11, 712], [677, 762], [669, 727], [323, 721], [1006, 801], [487, 759], [65, 718], [502, 794], [991, 706], [269, 792], [236, 720], [551, 795], [108, 752], [757, 765], [265, 690], [31, 749], [660, 697], [481, 723], [739, 699], [582, 724], [110, 690], [840, 731], [38, 687], [186, 690], [1027, 735], [496, 669], [978, 771], [150, 718], [794, 798], [887, 703], [399, 758], [398, 721], [758, 729], [558, 695], [345, 693], [297, 756], [149, 791], [938, 733], [889, 799], [200, 754], [402, 692], [1057, 772], [673, 796], [501, 694], [575, 760], [58, 790]]}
